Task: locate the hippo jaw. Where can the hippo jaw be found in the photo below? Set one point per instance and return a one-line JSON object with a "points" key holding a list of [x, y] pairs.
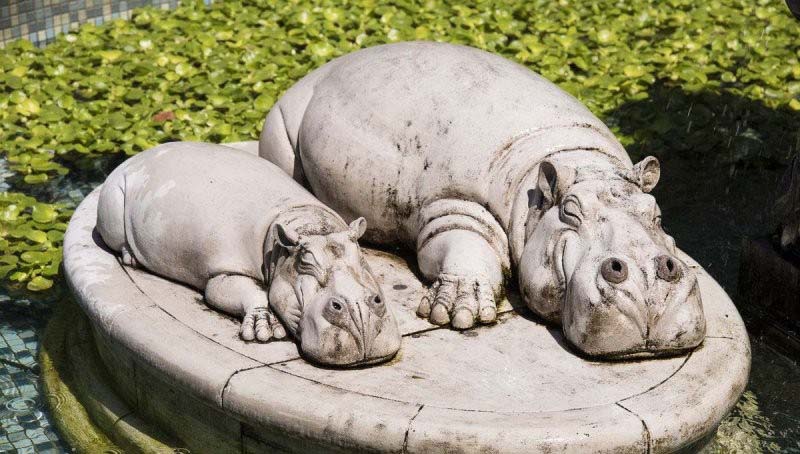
{"points": [[597, 261], [330, 301]]}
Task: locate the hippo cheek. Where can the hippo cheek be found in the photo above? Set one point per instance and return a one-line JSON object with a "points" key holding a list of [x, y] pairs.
{"points": [[541, 289], [682, 324]]}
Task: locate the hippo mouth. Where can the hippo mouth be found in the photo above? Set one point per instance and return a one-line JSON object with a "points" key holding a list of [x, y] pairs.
{"points": [[665, 335], [369, 361], [645, 352]]}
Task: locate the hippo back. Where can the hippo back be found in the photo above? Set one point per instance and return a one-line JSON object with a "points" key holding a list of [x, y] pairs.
{"points": [[392, 128], [194, 210]]}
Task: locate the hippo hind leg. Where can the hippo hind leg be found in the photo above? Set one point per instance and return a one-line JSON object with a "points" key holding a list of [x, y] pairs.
{"points": [[111, 217], [276, 147], [467, 275], [242, 296]]}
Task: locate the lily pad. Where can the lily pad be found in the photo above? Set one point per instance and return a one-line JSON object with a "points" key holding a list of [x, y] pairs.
{"points": [[39, 283]]}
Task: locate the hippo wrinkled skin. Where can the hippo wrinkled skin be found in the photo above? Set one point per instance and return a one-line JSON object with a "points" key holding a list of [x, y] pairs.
{"points": [[256, 243], [485, 168]]}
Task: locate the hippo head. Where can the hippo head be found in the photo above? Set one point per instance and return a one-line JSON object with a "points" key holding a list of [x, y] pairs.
{"points": [[328, 298], [597, 260]]}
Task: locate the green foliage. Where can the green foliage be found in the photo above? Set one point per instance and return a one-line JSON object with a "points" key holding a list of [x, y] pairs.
{"points": [[31, 234], [212, 73]]}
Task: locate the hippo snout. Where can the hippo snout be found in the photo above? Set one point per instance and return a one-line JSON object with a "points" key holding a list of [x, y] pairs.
{"points": [[354, 332], [615, 308], [678, 323], [668, 268]]}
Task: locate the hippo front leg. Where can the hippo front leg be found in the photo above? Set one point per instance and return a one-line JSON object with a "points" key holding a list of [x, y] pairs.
{"points": [[467, 275], [242, 296]]}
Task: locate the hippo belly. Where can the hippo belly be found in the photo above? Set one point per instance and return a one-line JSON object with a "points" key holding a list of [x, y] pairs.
{"points": [[389, 129]]}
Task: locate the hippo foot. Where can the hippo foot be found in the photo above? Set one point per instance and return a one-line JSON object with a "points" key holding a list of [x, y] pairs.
{"points": [[261, 325], [128, 259], [459, 301]]}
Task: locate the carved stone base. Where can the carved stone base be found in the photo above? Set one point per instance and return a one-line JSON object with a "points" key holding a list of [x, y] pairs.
{"points": [[511, 387], [769, 283]]}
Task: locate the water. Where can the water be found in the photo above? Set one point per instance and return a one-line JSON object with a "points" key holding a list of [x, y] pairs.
{"points": [[26, 424]]}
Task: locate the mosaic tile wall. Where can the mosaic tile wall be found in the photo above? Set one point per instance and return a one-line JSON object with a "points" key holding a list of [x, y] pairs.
{"points": [[39, 21]]}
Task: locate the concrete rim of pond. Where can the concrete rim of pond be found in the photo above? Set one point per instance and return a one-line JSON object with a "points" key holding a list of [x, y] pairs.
{"points": [[512, 387], [86, 410]]}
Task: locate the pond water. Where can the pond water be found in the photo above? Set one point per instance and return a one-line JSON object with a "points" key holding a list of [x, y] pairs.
{"points": [[709, 208]]}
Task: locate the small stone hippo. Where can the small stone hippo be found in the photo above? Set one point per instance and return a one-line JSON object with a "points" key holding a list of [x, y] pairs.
{"points": [[485, 168], [205, 215]]}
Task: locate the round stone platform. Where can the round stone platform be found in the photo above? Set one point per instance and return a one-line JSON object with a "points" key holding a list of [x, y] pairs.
{"points": [[511, 387]]}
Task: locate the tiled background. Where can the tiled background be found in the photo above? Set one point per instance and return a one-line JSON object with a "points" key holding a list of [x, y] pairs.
{"points": [[25, 425], [39, 21]]}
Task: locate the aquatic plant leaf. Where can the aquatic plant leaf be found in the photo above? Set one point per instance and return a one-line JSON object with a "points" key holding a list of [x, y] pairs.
{"points": [[39, 283]]}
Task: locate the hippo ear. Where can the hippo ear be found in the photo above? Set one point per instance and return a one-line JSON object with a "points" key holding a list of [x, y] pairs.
{"points": [[553, 181], [357, 228], [647, 172], [286, 238]]}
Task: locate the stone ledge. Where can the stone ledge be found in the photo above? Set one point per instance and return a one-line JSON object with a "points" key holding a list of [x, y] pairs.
{"points": [[514, 386], [88, 413]]}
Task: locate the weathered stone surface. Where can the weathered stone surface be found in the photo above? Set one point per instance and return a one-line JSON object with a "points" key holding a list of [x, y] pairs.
{"points": [[184, 303], [606, 428], [258, 245], [485, 170], [505, 368], [680, 410], [515, 387], [338, 419]]}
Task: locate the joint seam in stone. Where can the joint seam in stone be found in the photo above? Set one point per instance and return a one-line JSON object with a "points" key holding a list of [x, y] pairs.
{"points": [[228, 383], [408, 429], [647, 436], [689, 355], [121, 417]]}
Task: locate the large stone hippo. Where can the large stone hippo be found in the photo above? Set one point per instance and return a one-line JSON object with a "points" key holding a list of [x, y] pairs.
{"points": [[205, 215], [484, 167]]}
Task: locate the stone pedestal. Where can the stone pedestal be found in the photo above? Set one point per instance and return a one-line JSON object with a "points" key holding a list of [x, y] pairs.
{"points": [[512, 387]]}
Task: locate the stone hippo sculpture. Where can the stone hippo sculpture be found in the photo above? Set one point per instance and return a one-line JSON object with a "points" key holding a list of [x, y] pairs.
{"points": [[205, 215], [482, 166]]}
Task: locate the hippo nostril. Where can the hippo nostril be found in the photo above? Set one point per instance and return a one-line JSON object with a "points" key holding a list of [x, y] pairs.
{"points": [[614, 270], [377, 300], [667, 268]]}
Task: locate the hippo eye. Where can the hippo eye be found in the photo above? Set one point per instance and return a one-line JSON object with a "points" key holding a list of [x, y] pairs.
{"points": [[571, 211], [337, 306], [307, 264], [308, 258]]}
